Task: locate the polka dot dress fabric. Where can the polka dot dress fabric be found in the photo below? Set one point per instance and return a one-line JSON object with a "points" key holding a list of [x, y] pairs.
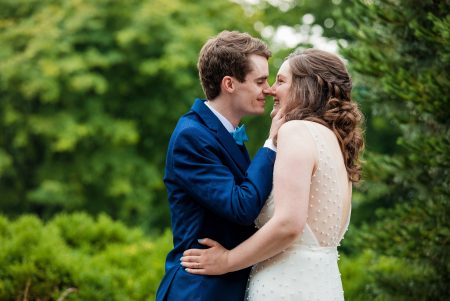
{"points": [[308, 269]]}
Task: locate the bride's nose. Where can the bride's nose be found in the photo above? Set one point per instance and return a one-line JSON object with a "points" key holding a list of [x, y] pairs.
{"points": [[269, 91]]}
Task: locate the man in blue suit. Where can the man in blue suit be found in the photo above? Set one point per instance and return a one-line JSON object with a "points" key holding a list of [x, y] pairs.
{"points": [[214, 190]]}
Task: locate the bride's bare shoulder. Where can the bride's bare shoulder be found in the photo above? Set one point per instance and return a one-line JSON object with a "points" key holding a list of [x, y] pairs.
{"points": [[294, 127], [295, 132], [295, 143]]}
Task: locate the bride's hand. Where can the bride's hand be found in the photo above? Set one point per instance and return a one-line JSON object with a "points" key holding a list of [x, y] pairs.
{"points": [[211, 261], [278, 120]]}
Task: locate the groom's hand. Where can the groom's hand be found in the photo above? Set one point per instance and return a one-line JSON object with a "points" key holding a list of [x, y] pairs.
{"points": [[211, 261]]}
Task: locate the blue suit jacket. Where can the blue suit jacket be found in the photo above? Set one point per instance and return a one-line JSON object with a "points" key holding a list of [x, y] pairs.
{"points": [[214, 191]]}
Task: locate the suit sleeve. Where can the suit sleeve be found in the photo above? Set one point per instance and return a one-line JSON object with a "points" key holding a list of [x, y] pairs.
{"points": [[200, 171]]}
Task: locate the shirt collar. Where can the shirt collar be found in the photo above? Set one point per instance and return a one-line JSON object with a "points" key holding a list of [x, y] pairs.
{"points": [[227, 124]]}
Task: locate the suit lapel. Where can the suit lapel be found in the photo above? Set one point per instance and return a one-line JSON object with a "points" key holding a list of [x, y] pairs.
{"points": [[240, 157], [244, 150]]}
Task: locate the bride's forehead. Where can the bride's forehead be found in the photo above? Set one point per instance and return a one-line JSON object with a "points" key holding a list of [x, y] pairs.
{"points": [[285, 68]]}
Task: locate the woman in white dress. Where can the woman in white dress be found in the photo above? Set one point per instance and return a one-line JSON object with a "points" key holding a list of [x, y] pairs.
{"points": [[294, 252]]}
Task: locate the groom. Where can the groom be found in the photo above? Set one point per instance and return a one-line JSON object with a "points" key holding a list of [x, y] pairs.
{"points": [[214, 191]]}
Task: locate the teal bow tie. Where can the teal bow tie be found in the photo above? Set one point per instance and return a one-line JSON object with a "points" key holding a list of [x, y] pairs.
{"points": [[239, 135]]}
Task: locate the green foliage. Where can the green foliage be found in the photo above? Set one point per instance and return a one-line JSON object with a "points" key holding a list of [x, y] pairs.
{"points": [[400, 57], [80, 258], [360, 275], [91, 91], [356, 280]]}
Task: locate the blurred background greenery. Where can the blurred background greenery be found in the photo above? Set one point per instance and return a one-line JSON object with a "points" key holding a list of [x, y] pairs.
{"points": [[91, 90]]}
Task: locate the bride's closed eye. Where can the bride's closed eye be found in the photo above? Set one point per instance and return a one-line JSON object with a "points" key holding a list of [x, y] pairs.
{"points": [[277, 82], [280, 80]]}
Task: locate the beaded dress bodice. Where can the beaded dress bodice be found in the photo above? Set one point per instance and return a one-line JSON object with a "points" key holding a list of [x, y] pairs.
{"points": [[312, 259], [328, 215]]}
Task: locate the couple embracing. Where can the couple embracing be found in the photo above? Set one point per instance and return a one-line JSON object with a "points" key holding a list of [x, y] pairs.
{"points": [[296, 190]]}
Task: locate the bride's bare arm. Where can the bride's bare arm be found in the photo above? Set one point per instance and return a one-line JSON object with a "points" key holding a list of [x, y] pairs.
{"points": [[294, 165]]}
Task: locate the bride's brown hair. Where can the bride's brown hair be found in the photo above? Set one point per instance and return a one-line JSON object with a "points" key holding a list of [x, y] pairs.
{"points": [[321, 92]]}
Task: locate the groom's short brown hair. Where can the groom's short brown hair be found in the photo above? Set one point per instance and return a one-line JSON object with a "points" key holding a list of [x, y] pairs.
{"points": [[227, 55]]}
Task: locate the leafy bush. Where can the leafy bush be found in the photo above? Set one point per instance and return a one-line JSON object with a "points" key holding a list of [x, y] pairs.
{"points": [[355, 278], [74, 257], [362, 274]]}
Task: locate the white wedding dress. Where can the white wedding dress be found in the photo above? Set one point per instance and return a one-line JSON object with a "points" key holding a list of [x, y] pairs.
{"points": [[308, 270]]}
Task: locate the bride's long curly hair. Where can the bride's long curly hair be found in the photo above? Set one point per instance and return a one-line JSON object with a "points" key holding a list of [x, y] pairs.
{"points": [[321, 92]]}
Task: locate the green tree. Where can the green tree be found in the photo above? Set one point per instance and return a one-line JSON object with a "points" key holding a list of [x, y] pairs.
{"points": [[400, 55], [90, 93]]}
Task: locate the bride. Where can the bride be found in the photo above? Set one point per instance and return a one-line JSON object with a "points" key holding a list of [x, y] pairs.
{"points": [[294, 252]]}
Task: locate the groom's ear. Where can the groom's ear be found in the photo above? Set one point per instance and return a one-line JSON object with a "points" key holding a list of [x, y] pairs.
{"points": [[227, 84]]}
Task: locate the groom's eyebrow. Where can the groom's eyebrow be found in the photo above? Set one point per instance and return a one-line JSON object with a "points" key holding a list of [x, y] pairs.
{"points": [[264, 77]]}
